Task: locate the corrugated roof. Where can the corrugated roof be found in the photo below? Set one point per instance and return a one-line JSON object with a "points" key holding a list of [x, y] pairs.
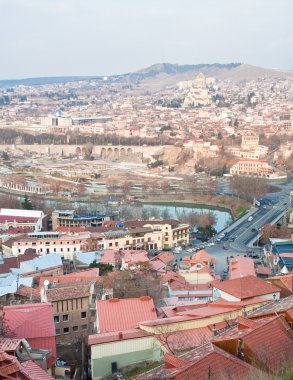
{"points": [[116, 336], [124, 314], [51, 260], [36, 372], [33, 322]]}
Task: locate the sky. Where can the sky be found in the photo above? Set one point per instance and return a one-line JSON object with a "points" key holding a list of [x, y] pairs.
{"points": [[105, 37]]}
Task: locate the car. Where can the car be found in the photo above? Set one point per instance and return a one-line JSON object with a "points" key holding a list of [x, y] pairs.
{"points": [[212, 244], [250, 219], [253, 230], [232, 238]]}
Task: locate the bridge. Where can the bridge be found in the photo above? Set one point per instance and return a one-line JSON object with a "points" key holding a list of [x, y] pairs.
{"points": [[102, 151]]}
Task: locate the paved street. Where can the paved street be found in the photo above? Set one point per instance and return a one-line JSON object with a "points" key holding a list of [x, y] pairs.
{"points": [[242, 232]]}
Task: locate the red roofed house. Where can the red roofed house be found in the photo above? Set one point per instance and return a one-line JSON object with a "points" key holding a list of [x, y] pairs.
{"points": [[120, 342], [241, 267], [268, 346], [133, 258], [124, 314], [159, 263], [205, 362], [244, 288], [33, 322], [11, 368]]}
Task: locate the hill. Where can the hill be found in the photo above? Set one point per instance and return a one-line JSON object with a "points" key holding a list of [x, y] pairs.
{"points": [[160, 75]]}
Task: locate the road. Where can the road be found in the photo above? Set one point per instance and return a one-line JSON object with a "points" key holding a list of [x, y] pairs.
{"points": [[241, 233]]}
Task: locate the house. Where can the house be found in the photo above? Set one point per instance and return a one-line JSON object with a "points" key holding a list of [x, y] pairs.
{"points": [[198, 269], [48, 265], [12, 368], [245, 288], [190, 292], [49, 242], [285, 283], [32, 219], [160, 262], [133, 259], [73, 308], [34, 322], [26, 355], [205, 362], [284, 308], [119, 341], [8, 263], [241, 267], [10, 283], [71, 218], [268, 345], [123, 314], [111, 351], [172, 232]]}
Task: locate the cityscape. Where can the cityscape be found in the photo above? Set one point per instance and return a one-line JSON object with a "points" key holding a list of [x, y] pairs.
{"points": [[146, 207]]}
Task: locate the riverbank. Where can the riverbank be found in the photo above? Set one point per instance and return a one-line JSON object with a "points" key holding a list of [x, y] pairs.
{"points": [[236, 207]]}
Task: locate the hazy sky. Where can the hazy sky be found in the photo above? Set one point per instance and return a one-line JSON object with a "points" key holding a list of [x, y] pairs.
{"points": [[102, 37]]}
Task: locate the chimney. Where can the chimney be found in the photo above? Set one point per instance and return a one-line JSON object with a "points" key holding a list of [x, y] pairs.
{"points": [[120, 335], [214, 330], [240, 351]]}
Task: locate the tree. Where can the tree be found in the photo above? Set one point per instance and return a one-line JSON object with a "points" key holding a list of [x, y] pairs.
{"points": [[5, 331], [9, 201], [249, 188], [88, 150], [104, 269], [26, 204], [273, 231], [5, 156]]}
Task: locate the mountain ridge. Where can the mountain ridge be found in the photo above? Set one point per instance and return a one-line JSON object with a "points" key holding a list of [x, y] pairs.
{"points": [[174, 72]]}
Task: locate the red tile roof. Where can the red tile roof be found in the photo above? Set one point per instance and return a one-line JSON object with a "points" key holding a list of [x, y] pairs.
{"points": [[33, 322], [246, 287], [124, 314]]}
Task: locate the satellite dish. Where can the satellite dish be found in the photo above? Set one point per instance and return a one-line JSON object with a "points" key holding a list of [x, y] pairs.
{"points": [[46, 282]]}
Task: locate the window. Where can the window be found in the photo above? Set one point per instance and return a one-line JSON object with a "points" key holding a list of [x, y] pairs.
{"points": [[57, 331], [66, 330], [75, 328], [83, 314], [116, 244], [83, 327], [56, 319], [110, 244], [65, 318]]}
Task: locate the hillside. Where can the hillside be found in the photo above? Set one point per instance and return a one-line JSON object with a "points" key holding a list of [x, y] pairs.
{"points": [[160, 75]]}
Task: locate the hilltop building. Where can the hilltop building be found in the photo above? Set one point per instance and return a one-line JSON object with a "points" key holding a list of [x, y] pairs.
{"points": [[198, 93]]}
